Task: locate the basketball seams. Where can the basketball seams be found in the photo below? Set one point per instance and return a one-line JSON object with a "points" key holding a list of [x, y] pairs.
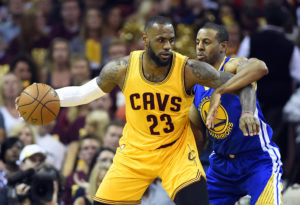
{"points": [[44, 106], [39, 102], [34, 99]]}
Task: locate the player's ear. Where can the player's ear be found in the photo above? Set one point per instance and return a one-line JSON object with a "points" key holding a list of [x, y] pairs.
{"points": [[223, 46], [145, 39]]}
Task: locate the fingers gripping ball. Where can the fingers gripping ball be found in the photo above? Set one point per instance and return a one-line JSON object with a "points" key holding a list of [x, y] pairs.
{"points": [[39, 104]]}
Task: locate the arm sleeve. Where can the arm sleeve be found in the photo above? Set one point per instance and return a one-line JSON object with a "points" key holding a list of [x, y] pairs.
{"points": [[79, 95]]}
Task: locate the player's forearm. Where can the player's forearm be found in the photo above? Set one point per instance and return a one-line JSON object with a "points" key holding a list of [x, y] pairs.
{"points": [[248, 99], [247, 73], [253, 68], [79, 95]]}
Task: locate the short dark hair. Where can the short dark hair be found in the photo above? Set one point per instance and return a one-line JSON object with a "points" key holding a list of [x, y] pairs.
{"points": [[88, 137], [117, 123], [222, 33], [156, 19]]}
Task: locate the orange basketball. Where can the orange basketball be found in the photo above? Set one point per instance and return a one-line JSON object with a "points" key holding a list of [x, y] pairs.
{"points": [[39, 104]]}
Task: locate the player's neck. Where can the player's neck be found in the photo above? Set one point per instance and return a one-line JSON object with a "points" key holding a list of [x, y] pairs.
{"points": [[152, 71], [220, 60]]}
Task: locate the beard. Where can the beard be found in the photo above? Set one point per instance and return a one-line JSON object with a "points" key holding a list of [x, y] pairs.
{"points": [[156, 59]]}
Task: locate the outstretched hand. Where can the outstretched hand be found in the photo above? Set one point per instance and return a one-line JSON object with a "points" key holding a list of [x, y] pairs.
{"points": [[249, 124], [215, 100]]}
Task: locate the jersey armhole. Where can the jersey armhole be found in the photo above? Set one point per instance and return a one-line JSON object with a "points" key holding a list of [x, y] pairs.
{"points": [[127, 72]]}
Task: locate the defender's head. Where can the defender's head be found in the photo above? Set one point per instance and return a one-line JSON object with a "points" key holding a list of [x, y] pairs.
{"points": [[159, 39], [211, 43]]}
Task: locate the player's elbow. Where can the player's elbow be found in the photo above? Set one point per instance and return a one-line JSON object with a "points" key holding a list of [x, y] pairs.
{"points": [[261, 66]]}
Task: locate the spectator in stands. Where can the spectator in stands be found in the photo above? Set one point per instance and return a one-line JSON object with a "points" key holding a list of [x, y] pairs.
{"points": [[11, 28], [80, 69], [24, 68], [282, 58], [69, 27], [104, 103], [31, 156], [113, 133], [104, 156], [89, 41], [56, 70], [31, 40], [10, 88], [88, 147], [114, 22], [24, 132], [95, 123], [54, 148], [9, 155], [95, 180]]}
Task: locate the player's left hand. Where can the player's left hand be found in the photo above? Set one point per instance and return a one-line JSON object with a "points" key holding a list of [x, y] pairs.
{"points": [[249, 124], [215, 100]]}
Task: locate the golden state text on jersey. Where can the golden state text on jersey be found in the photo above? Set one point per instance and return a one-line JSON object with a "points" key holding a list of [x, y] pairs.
{"points": [[222, 126], [156, 112]]}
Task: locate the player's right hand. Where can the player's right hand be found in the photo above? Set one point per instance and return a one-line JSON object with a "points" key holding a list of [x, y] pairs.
{"points": [[249, 124]]}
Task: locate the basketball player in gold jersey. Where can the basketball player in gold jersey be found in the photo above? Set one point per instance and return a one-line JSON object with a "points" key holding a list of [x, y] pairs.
{"points": [[157, 140]]}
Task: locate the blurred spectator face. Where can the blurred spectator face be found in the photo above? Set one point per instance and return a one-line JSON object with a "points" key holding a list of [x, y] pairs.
{"points": [[70, 12], [115, 18], [60, 53], [16, 7], [45, 6], [22, 71], [117, 51], [80, 71], [40, 21], [112, 137], [106, 157], [11, 87], [26, 136], [103, 103], [88, 149], [226, 14], [32, 161], [93, 19], [12, 154], [234, 34]]}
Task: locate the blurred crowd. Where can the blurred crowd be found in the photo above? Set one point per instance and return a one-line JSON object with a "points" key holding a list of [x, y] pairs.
{"points": [[67, 42]]}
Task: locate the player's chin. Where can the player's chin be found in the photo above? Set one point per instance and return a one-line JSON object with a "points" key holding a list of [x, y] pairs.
{"points": [[201, 58]]}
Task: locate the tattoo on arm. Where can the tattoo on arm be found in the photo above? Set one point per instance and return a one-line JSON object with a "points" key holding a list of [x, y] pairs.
{"points": [[112, 74], [201, 70], [207, 75]]}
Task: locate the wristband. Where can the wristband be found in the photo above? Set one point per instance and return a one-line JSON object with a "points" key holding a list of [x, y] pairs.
{"points": [[250, 112]]}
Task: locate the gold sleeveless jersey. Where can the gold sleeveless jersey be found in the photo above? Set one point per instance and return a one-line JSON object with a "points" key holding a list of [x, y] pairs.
{"points": [[156, 112]]}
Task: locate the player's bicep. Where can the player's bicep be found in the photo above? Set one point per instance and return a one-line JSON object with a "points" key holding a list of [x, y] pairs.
{"points": [[204, 74], [112, 74]]}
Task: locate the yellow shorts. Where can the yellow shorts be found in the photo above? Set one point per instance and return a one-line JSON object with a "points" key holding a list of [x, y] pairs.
{"points": [[133, 170]]}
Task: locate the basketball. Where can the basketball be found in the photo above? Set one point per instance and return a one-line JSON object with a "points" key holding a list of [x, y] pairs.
{"points": [[38, 104]]}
